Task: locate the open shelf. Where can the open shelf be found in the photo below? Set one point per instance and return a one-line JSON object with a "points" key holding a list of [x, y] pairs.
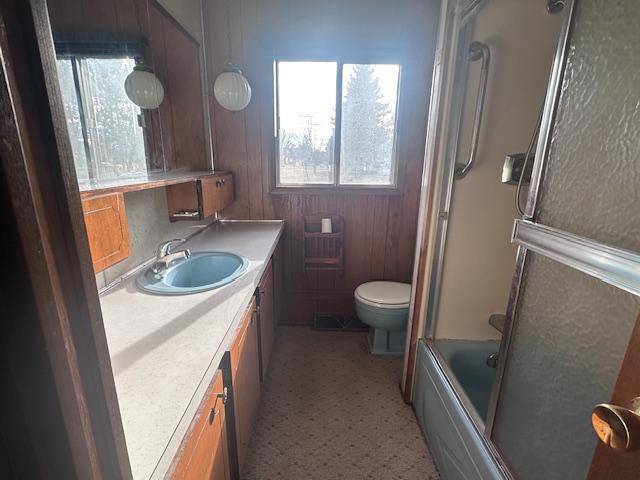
{"points": [[140, 182], [323, 251]]}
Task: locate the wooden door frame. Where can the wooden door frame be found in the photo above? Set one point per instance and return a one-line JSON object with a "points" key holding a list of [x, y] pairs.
{"points": [[37, 168]]}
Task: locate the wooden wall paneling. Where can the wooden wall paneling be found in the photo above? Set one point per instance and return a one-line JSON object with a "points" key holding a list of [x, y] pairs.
{"points": [[127, 14], [403, 212], [379, 236], [380, 229], [229, 128], [181, 55], [415, 113], [163, 151], [253, 127], [158, 126], [95, 16], [333, 304], [298, 309], [64, 14]]}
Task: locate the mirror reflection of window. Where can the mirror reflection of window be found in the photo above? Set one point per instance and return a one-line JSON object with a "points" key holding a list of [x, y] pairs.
{"points": [[104, 126]]}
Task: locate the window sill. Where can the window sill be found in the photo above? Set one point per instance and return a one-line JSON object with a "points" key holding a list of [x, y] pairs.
{"points": [[341, 190]]}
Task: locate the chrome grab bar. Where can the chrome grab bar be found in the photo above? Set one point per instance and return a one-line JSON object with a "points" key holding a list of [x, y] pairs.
{"points": [[477, 51]]}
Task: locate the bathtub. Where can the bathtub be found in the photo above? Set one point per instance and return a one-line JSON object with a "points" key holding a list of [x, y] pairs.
{"points": [[450, 399]]}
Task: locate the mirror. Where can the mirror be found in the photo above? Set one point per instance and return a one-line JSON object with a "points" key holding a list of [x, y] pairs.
{"points": [[98, 45]]}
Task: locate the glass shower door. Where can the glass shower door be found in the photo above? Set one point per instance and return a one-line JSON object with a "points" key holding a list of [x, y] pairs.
{"points": [[576, 292]]}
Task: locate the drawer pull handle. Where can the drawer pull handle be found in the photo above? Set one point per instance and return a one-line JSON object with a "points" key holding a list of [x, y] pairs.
{"points": [[213, 412], [212, 415]]}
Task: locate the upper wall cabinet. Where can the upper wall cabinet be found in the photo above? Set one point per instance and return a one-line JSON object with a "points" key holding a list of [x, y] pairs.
{"points": [[123, 125], [200, 198], [105, 218]]}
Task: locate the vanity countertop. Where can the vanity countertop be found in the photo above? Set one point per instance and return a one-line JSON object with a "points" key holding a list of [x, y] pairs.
{"points": [[165, 350]]}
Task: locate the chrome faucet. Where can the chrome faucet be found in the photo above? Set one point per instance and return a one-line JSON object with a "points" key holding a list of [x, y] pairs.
{"points": [[165, 255]]}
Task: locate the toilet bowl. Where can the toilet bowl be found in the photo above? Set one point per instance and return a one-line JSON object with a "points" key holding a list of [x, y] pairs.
{"points": [[384, 306]]}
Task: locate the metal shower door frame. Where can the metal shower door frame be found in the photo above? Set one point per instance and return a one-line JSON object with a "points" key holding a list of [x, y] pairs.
{"points": [[552, 99], [614, 266], [462, 32]]}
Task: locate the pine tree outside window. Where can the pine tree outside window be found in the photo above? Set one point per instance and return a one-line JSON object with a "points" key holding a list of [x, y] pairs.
{"points": [[336, 124]]}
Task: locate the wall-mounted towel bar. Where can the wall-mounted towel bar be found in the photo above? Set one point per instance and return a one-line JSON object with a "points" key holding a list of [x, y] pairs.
{"points": [[477, 51]]}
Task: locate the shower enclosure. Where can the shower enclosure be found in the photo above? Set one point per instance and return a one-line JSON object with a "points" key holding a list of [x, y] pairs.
{"points": [[573, 299]]}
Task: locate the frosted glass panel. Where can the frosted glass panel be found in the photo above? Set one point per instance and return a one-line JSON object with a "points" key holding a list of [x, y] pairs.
{"points": [[570, 336], [591, 185]]}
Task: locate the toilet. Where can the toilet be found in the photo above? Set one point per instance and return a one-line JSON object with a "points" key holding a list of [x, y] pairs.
{"points": [[384, 306]]}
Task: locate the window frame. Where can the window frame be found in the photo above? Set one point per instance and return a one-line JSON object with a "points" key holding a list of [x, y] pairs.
{"points": [[393, 188]]}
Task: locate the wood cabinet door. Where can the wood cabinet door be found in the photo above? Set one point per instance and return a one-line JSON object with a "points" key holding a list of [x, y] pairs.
{"points": [[267, 317], [278, 281], [216, 192], [204, 454], [246, 381], [105, 219]]}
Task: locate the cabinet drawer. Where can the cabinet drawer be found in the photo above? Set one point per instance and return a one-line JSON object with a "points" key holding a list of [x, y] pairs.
{"points": [[204, 453]]}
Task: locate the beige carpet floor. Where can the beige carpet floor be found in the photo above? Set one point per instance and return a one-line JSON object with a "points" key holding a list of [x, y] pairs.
{"points": [[330, 410]]}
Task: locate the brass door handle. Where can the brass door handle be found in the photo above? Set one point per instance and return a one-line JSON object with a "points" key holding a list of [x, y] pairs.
{"points": [[618, 427]]}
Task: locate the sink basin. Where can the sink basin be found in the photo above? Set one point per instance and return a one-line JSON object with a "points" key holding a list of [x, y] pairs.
{"points": [[201, 272]]}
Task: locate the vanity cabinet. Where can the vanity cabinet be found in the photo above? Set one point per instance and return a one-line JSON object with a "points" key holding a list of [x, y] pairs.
{"points": [[267, 317], [207, 452], [204, 453], [246, 380], [200, 198]]}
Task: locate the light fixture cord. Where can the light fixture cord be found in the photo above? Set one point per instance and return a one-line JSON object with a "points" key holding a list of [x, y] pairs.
{"points": [[228, 32]]}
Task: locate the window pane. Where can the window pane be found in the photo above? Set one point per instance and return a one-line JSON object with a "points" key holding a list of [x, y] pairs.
{"points": [[115, 138], [72, 114], [306, 111], [369, 104]]}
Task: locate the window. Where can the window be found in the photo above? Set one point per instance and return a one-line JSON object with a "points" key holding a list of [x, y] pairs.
{"points": [[336, 123], [103, 124]]}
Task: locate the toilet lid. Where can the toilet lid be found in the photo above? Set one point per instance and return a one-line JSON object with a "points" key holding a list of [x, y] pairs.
{"points": [[384, 294]]}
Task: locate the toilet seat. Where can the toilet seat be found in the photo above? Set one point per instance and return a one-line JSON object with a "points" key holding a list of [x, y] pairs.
{"points": [[391, 295]]}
